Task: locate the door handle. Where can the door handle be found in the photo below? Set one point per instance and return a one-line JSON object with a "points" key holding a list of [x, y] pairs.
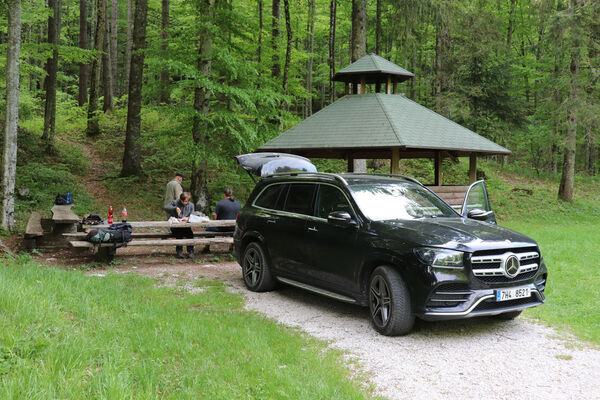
{"points": [[271, 221], [313, 229]]}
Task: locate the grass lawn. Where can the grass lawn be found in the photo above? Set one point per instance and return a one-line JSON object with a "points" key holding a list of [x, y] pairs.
{"points": [[67, 335], [571, 252]]}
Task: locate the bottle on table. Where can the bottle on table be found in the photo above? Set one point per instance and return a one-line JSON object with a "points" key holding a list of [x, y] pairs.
{"points": [[124, 214], [110, 215]]}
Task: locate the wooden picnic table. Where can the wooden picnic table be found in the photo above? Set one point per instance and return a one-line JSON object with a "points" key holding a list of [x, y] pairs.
{"points": [[167, 224], [64, 214]]}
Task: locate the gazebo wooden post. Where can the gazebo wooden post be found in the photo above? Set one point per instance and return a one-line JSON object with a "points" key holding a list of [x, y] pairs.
{"points": [[472, 167], [388, 88], [394, 167], [350, 164], [437, 169], [347, 88], [395, 87], [363, 88]]}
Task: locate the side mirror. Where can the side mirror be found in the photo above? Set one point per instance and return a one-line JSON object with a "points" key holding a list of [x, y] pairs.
{"points": [[480, 215], [341, 218]]}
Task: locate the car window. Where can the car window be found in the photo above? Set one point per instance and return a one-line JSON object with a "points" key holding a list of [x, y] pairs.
{"points": [[331, 199], [268, 198], [299, 198], [398, 200]]}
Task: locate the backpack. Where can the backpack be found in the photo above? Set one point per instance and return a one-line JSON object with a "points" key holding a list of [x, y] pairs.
{"points": [[63, 199], [119, 234], [92, 219]]}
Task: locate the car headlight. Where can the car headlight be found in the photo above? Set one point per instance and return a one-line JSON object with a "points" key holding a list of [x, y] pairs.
{"points": [[440, 257]]}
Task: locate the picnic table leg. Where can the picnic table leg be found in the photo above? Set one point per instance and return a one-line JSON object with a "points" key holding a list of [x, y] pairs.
{"points": [[106, 254]]}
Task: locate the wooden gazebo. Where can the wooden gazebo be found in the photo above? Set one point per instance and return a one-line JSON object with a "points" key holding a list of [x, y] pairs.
{"points": [[381, 125]]}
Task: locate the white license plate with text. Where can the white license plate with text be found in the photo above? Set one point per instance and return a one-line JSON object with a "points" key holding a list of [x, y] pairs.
{"points": [[513, 294]]}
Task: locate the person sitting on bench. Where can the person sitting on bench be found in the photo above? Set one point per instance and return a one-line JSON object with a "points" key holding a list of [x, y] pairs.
{"points": [[228, 208], [182, 209]]}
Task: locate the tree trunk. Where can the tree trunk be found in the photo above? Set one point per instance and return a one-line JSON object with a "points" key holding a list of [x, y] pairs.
{"points": [[12, 114], [359, 29], [200, 129], [260, 29], [565, 191], [590, 152], [83, 68], [332, 20], [310, 42], [288, 49], [359, 49], [113, 45], [275, 18], [93, 126], [107, 82], [132, 153], [51, 70], [378, 29], [164, 46], [129, 39], [442, 68]]}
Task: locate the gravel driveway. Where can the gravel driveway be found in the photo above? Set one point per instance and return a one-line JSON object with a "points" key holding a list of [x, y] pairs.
{"points": [[477, 358]]}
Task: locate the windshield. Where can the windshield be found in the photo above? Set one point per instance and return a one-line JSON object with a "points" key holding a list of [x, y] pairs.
{"points": [[381, 201]]}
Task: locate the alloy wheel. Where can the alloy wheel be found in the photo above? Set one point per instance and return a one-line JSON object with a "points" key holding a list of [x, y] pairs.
{"points": [[380, 301], [253, 264]]}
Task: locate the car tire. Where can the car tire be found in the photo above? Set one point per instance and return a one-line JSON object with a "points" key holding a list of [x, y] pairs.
{"points": [[389, 302], [507, 316], [256, 269]]}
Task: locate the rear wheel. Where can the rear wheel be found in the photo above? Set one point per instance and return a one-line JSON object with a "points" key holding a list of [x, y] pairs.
{"points": [[256, 269], [389, 302], [507, 316]]}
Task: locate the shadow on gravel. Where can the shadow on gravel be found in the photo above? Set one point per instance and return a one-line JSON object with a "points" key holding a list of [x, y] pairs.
{"points": [[447, 329]]}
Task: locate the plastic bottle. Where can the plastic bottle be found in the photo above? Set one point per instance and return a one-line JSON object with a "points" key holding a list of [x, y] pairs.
{"points": [[110, 215], [124, 214], [69, 198]]}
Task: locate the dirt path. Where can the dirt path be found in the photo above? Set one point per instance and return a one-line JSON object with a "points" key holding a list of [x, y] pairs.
{"points": [[477, 358]]}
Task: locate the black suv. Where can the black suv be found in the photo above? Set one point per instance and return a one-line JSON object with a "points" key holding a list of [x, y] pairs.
{"points": [[387, 242]]}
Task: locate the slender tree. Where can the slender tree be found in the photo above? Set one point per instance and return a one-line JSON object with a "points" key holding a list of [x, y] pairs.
{"points": [[107, 81], [164, 46], [378, 28], [288, 48], [93, 125], [332, 21], [132, 153], [128, 43], [83, 67], [310, 44], [275, 18], [114, 26], [200, 127], [51, 71], [260, 30], [12, 114], [359, 49]]}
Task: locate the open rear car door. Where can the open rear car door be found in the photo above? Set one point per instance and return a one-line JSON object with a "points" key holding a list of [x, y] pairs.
{"points": [[477, 204], [262, 164]]}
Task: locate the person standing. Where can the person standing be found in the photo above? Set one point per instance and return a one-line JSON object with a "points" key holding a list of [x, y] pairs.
{"points": [[181, 209], [228, 208], [174, 189]]}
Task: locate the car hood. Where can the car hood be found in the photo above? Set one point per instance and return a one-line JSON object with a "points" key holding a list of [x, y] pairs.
{"points": [[454, 233]]}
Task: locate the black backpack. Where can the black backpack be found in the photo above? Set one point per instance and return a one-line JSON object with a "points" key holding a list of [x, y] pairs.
{"points": [[119, 234], [92, 219]]}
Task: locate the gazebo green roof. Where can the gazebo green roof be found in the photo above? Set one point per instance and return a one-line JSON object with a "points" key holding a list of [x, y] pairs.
{"points": [[374, 68], [379, 122]]}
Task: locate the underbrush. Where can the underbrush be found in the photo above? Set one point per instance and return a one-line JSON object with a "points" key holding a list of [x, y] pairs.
{"points": [[67, 335]]}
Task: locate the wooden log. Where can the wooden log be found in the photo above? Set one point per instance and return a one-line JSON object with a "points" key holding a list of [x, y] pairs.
{"points": [[151, 242], [34, 226]]}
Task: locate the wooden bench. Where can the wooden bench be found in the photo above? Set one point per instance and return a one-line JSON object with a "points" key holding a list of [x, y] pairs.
{"points": [[204, 240], [453, 195], [34, 230]]}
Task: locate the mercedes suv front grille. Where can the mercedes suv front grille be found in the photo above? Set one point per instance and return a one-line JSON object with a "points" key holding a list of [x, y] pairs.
{"points": [[505, 265]]}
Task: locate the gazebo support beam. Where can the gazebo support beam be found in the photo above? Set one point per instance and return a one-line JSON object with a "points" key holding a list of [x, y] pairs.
{"points": [[350, 164], [472, 167], [394, 167], [437, 169]]}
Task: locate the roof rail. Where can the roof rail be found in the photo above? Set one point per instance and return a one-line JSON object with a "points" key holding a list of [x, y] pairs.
{"points": [[308, 174], [397, 176]]}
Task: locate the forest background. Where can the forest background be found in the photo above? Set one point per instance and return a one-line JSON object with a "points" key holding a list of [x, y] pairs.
{"points": [[181, 85]]}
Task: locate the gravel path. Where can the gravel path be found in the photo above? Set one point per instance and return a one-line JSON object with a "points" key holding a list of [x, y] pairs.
{"points": [[477, 358]]}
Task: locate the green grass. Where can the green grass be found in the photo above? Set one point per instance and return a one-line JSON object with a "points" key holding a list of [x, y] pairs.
{"points": [[570, 250], [67, 335]]}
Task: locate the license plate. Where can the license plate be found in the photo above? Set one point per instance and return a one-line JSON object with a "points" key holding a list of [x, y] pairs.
{"points": [[512, 294]]}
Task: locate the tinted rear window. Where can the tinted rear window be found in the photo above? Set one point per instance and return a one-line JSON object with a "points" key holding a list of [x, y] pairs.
{"points": [[268, 198], [299, 198]]}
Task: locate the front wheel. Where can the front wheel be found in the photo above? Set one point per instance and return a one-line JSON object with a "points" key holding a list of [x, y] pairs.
{"points": [[389, 302], [256, 269]]}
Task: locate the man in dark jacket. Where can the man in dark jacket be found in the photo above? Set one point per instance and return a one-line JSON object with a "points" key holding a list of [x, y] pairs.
{"points": [[182, 209]]}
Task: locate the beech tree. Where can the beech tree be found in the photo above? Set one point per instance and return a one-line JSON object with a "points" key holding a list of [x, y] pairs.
{"points": [[93, 125], [132, 153], [51, 70], [83, 67], [12, 114]]}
